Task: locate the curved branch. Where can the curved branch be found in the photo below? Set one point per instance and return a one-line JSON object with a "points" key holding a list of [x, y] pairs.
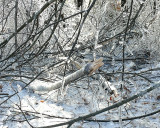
{"points": [[126, 119]]}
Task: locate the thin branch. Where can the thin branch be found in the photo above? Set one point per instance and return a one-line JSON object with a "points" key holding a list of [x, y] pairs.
{"points": [[125, 119]]}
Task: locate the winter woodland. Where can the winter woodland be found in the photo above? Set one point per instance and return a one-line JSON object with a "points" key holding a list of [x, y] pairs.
{"points": [[79, 63]]}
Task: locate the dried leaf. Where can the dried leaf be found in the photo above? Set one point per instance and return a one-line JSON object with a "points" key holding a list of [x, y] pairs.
{"points": [[42, 101], [1, 86], [158, 97]]}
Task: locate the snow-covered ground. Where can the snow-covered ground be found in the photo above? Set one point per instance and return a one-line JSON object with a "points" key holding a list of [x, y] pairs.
{"points": [[80, 98], [87, 95]]}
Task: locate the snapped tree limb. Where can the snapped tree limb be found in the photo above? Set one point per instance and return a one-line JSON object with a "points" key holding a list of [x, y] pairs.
{"points": [[86, 70]]}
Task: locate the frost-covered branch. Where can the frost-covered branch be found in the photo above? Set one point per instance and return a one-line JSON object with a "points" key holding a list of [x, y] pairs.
{"points": [[86, 70], [126, 119]]}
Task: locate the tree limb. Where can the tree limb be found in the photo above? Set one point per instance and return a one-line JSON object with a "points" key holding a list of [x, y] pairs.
{"points": [[86, 70]]}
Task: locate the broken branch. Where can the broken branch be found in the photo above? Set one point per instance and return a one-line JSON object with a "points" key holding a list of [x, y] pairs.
{"points": [[86, 70]]}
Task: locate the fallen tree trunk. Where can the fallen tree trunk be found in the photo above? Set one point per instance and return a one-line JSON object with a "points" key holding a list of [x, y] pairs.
{"points": [[86, 70]]}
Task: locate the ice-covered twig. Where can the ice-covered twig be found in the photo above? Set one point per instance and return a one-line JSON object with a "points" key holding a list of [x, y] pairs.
{"points": [[110, 87], [86, 70], [4, 93]]}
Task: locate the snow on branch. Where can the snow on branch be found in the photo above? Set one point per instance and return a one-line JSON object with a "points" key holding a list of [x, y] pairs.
{"points": [[86, 70]]}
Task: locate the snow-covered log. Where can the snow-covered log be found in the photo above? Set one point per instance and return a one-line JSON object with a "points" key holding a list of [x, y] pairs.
{"points": [[86, 70]]}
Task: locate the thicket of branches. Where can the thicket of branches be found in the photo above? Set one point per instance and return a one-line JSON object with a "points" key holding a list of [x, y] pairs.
{"points": [[51, 39]]}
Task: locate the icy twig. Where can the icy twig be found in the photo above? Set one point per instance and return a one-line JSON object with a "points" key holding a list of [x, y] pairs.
{"points": [[4, 93]]}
